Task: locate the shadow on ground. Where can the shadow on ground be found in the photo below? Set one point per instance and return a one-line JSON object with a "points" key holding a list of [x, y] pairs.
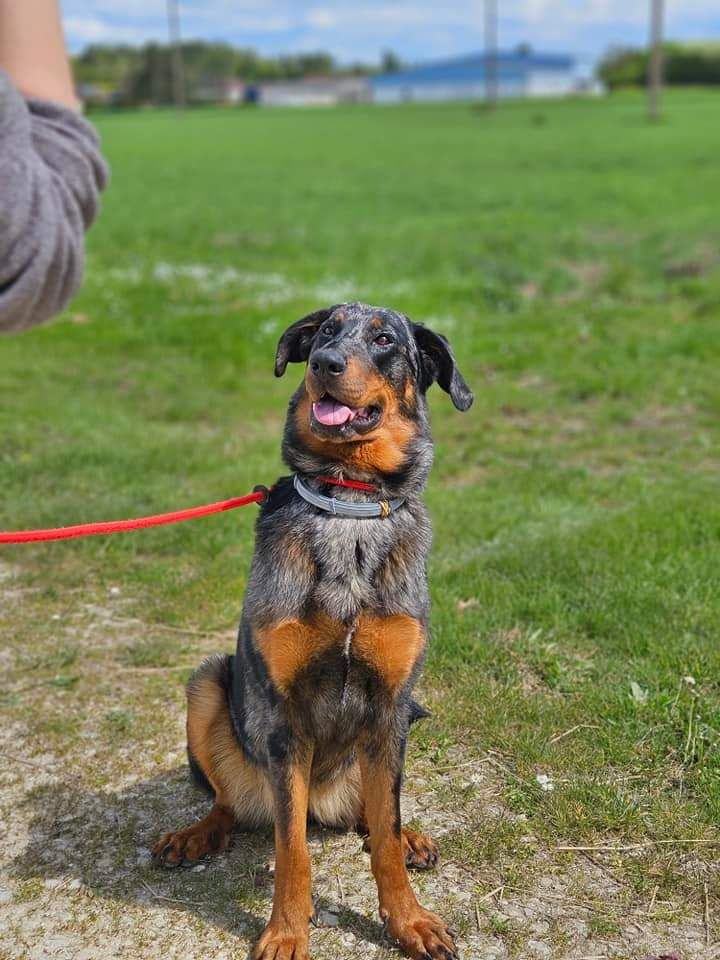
{"points": [[101, 840]]}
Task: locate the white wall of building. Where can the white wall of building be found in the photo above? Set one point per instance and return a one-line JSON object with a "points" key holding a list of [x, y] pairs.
{"points": [[436, 92], [550, 83], [315, 93]]}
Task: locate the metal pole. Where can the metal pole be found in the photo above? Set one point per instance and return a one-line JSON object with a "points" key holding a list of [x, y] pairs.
{"points": [[655, 69], [176, 57], [491, 53]]}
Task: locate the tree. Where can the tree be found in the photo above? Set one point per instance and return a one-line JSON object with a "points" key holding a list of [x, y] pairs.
{"points": [[684, 64], [145, 75], [390, 62]]}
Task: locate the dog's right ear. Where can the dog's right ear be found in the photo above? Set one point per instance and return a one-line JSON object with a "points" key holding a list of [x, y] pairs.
{"points": [[294, 344]]}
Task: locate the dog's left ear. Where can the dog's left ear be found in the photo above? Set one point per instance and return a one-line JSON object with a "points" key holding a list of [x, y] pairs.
{"points": [[438, 364], [294, 344]]}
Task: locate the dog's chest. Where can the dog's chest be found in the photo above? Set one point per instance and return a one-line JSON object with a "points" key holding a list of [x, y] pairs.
{"points": [[352, 675], [310, 562], [352, 560], [334, 695]]}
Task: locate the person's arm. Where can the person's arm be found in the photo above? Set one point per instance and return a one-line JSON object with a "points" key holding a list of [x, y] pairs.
{"points": [[32, 50], [51, 169]]}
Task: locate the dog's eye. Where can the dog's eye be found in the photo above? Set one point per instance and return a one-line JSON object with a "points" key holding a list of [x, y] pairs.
{"points": [[383, 340], [328, 329]]}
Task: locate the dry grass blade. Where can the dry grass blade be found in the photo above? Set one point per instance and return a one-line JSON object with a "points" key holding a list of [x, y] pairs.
{"points": [[491, 894], [160, 896], [646, 845], [578, 726], [461, 766], [652, 899], [707, 914], [28, 763]]}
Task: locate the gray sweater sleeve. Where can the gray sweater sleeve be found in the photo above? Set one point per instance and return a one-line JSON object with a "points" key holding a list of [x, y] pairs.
{"points": [[51, 174]]}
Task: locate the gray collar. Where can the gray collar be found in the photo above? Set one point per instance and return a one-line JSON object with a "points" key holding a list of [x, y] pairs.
{"points": [[342, 508]]}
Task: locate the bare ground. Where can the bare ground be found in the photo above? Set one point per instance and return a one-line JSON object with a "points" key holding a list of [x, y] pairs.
{"points": [[92, 770]]}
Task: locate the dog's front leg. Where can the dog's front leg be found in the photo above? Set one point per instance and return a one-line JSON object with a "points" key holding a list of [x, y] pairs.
{"points": [[286, 935], [420, 933]]}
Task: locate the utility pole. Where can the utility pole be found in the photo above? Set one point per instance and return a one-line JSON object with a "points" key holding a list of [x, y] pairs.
{"points": [[491, 53], [655, 69], [176, 56]]}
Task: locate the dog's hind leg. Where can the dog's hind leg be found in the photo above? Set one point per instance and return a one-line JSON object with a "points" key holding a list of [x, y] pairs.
{"points": [[218, 763], [207, 837], [420, 850]]}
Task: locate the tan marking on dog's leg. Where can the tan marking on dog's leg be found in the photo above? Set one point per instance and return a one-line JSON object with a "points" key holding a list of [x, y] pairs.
{"points": [[238, 784], [420, 933], [286, 935]]}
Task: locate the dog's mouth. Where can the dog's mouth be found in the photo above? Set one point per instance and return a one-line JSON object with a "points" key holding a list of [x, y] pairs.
{"points": [[332, 417]]}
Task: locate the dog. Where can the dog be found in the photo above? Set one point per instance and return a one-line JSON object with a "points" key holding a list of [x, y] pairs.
{"points": [[310, 717]]}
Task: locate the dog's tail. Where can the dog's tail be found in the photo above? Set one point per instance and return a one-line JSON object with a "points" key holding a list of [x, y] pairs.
{"points": [[197, 775], [418, 712]]}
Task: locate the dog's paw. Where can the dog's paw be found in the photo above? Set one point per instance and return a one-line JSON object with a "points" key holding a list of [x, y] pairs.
{"points": [[419, 850], [422, 936], [186, 847], [280, 942]]}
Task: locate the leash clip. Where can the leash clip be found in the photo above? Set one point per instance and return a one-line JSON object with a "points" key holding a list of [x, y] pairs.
{"points": [[261, 488]]}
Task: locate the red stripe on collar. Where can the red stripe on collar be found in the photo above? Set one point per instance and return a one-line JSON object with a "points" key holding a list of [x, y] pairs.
{"points": [[352, 484]]}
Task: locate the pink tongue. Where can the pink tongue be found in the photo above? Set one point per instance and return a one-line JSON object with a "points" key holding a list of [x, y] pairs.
{"points": [[332, 413]]}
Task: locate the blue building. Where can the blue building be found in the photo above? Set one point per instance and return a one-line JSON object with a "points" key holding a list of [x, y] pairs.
{"points": [[520, 73]]}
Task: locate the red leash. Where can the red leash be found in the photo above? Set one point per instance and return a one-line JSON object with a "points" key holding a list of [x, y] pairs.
{"points": [[177, 516], [120, 526]]}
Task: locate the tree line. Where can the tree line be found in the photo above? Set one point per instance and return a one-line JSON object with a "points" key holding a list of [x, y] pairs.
{"points": [[684, 64], [130, 76]]}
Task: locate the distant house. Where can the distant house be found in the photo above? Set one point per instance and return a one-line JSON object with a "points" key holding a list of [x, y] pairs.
{"points": [[218, 90], [313, 92], [520, 73]]}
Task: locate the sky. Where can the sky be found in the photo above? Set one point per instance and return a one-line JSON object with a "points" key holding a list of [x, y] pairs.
{"points": [[415, 29]]}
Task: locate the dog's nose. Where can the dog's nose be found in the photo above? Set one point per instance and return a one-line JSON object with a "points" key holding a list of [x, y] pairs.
{"points": [[328, 363]]}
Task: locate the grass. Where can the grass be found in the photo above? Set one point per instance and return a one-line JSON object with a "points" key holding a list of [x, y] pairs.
{"points": [[575, 265]]}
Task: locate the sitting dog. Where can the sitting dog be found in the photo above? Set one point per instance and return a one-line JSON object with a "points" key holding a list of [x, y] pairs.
{"points": [[311, 715]]}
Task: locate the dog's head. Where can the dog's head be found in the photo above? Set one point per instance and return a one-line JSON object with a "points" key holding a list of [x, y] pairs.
{"points": [[368, 369], [362, 400]]}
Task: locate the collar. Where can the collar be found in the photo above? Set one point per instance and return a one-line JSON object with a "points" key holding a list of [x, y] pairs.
{"points": [[341, 508]]}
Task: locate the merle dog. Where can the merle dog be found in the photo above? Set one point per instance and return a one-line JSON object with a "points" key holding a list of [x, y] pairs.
{"points": [[311, 715]]}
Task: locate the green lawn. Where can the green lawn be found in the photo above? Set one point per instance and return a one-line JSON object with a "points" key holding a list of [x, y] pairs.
{"points": [[571, 253]]}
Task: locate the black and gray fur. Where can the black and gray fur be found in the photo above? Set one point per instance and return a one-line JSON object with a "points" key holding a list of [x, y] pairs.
{"points": [[357, 565]]}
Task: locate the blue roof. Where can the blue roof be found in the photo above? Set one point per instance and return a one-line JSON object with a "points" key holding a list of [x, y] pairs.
{"points": [[514, 64]]}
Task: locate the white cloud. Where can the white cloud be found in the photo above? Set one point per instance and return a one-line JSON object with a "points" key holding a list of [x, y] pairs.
{"points": [[95, 30], [89, 29], [321, 19]]}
